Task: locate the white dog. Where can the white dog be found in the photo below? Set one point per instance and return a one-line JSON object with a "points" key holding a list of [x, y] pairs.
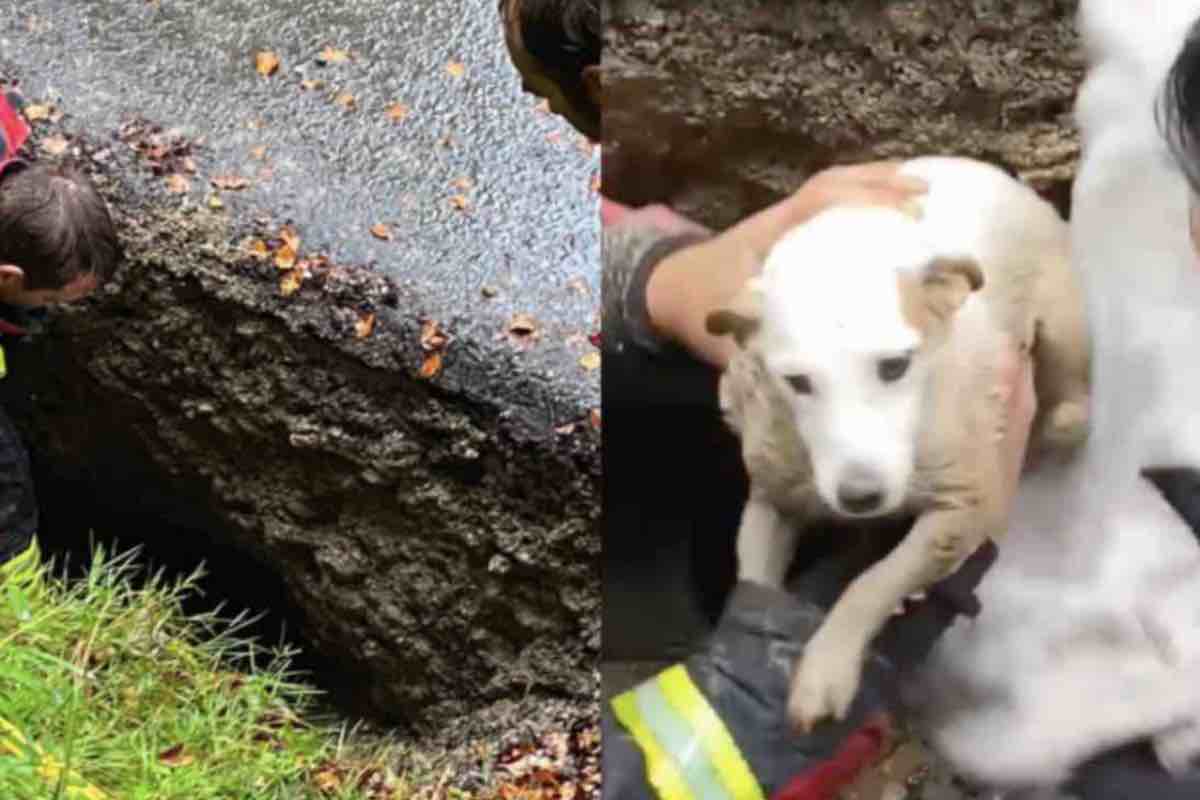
{"points": [[1089, 637], [865, 386]]}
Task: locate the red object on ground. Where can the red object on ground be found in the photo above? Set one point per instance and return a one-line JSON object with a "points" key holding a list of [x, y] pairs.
{"points": [[860, 750], [13, 132]]}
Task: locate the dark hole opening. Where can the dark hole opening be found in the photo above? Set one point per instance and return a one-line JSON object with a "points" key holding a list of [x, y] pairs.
{"points": [[74, 519]]}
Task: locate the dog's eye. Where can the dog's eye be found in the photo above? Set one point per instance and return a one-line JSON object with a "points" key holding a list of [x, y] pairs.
{"points": [[799, 383], [893, 369]]}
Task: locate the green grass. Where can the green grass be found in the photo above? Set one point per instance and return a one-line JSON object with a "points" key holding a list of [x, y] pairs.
{"points": [[136, 698]]}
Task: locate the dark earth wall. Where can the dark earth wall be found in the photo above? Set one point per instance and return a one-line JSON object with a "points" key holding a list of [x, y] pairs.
{"points": [[720, 108]]}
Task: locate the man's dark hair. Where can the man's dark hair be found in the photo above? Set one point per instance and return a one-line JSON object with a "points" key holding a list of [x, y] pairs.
{"points": [[564, 35], [1178, 110], [55, 226]]}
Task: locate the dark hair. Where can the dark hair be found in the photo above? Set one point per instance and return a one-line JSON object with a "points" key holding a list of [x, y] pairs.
{"points": [[55, 226], [1178, 110], [564, 36]]}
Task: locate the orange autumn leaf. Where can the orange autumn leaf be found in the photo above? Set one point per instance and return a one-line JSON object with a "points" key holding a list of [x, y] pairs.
{"points": [[432, 337], [55, 145], [332, 55], [311, 85], [594, 418], [464, 183], [266, 63], [175, 757], [290, 237], [230, 182], [381, 231], [456, 69], [432, 365], [460, 202], [177, 184], [290, 283], [397, 112], [364, 326], [38, 111], [285, 257], [259, 153], [258, 248], [328, 781], [522, 325], [346, 100]]}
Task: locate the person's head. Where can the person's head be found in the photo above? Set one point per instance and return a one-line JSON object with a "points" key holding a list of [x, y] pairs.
{"points": [[57, 240], [1178, 114], [555, 45]]}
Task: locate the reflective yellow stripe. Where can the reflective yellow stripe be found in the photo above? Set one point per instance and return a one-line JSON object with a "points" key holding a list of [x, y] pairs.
{"points": [[661, 769], [3, 363], [722, 751]]}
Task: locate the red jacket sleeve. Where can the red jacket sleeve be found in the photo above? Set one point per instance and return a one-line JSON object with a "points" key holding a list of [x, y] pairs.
{"points": [[13, 130]]}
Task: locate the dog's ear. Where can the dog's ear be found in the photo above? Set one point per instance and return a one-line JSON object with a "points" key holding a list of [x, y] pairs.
{"points": [[947, 282], [741, 317]]}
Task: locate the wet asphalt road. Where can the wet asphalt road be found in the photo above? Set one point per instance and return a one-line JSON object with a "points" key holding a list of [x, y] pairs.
{"points": [[531, 230]]}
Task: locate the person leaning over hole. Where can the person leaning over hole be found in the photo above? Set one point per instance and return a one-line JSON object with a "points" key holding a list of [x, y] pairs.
{"points": [[555, 46], [57, 245]]}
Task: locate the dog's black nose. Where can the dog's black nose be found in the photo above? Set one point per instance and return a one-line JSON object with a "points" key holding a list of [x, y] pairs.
{"points": [[859, 493]]}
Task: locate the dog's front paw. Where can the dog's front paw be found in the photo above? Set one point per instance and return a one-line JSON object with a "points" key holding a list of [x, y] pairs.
{"points": [[1067, 426], [1178, 750], [825, 682]]}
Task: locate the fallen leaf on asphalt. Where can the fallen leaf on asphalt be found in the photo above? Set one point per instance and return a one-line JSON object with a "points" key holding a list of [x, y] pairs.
{"points": [[177, 184], [285, 257], [463, 183], [381, 231], [290, 283], [595, 182], [596, 339], [432, 365], [258, 248], [230, 182], [460, 202], [266, 63], [55, 145], [215, 203], [489, 291], [590, 361], [456, 69], [432, 337], [332, 55], [38, 112], [259, 153], [189, 165], [345, 100], [397, 112], [311, 85], [175, 757], [364, 326], [594, 418], [522, 325], [290, 237]]}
